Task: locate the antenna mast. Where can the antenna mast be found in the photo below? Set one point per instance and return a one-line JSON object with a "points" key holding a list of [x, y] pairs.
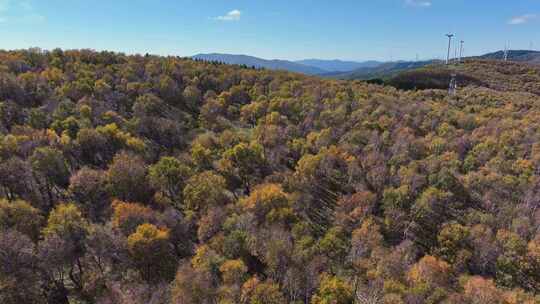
{"points": [[461, 50], [453, 85], [506, 52], [449, 46]]}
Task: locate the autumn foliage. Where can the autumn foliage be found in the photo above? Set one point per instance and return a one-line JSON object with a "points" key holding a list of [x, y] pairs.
{"points": [[147, 179]]}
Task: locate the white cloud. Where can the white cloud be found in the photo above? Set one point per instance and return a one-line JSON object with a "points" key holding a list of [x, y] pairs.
{"points": [[522, 19], [233, 15], [418, 3]]}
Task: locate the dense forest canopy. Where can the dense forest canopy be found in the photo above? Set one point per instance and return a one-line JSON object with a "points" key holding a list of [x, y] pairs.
{"points": [[146, 179]]}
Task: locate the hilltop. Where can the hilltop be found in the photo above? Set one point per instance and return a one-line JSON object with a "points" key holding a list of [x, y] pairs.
{"points": [[384, 70], [497, 75], [147, 179], [524, 56], [391, 69]]}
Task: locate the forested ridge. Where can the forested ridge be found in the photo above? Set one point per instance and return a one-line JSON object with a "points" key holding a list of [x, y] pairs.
{"points": [[497, 75], [146, 179]]}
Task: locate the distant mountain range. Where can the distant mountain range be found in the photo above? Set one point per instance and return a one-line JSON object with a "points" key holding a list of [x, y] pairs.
{"points": [[261, 63], [352, 69], [308, 66], [380, 71], [389, 69], [339, 65]]}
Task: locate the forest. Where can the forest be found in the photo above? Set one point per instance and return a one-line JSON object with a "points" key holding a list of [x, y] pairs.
{"points": [[148, 179]]}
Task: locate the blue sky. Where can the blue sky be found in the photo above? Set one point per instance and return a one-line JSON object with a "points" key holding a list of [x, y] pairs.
{"points": [[286, 29]]}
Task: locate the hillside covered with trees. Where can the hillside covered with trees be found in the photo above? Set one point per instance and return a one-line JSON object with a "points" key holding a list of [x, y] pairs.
{"points": [[145, 179], [497, 75]]}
